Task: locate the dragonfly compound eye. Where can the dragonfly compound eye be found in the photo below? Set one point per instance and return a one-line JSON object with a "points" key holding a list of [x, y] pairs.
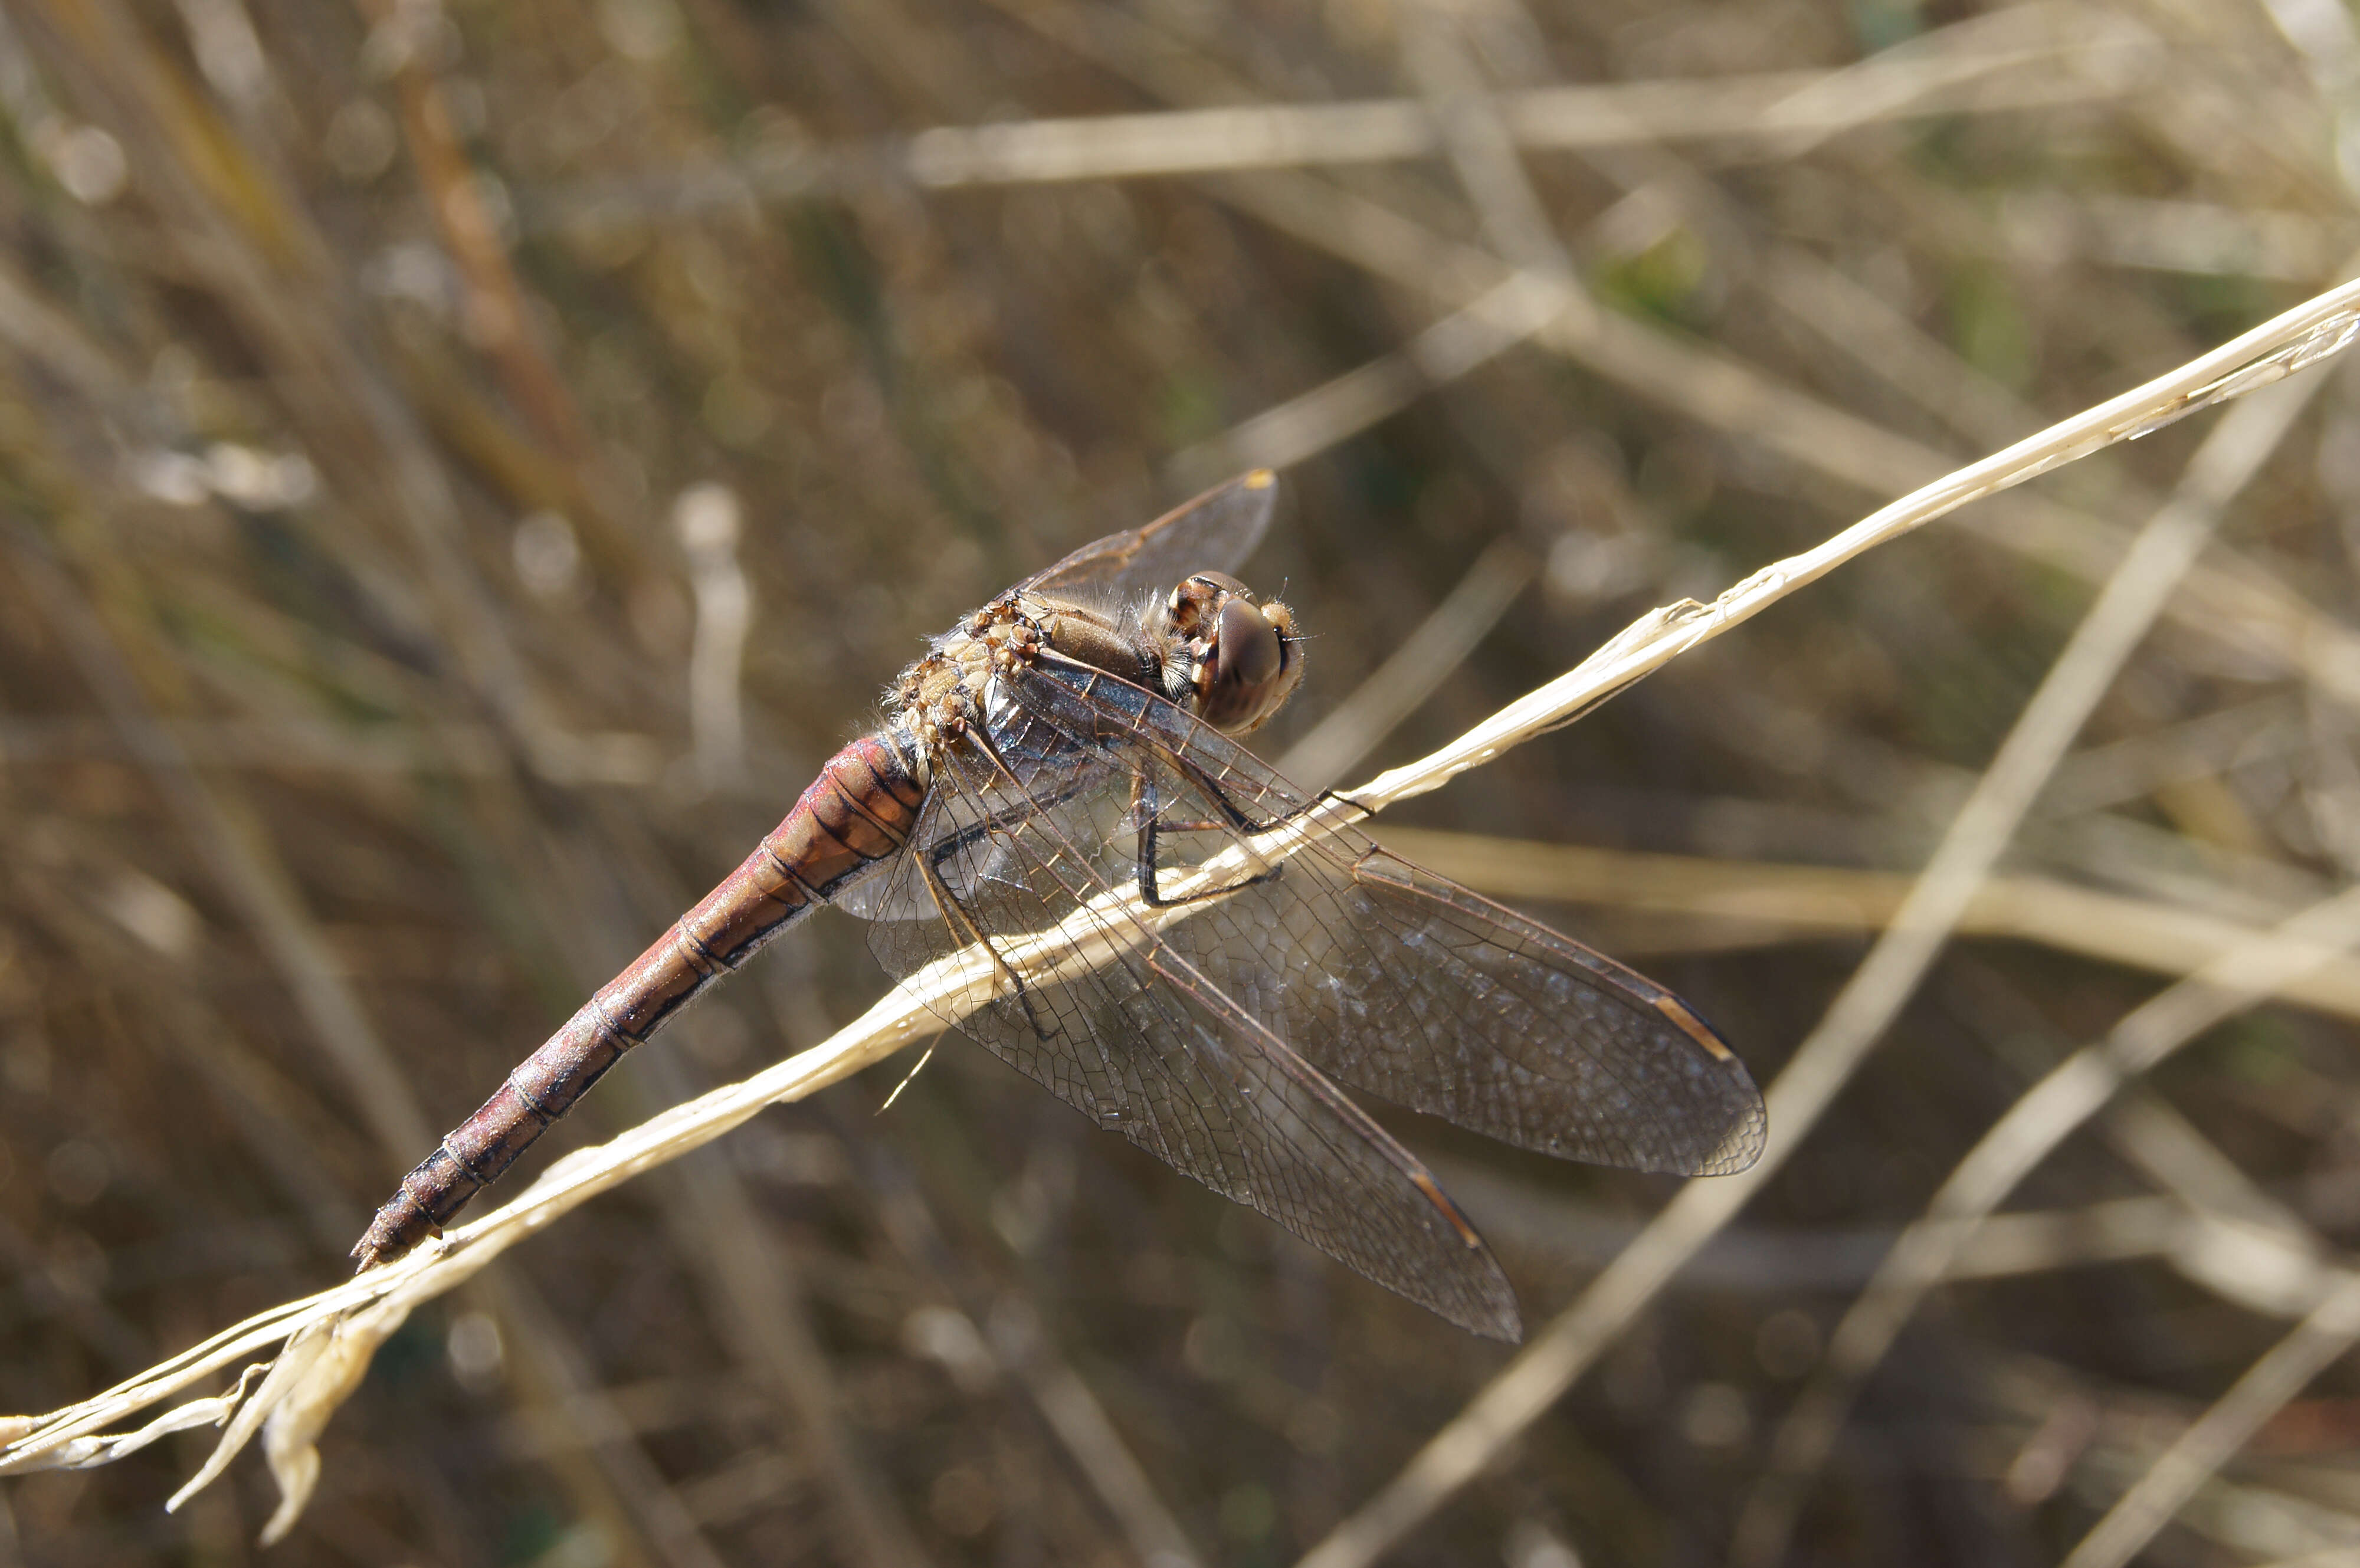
{"points": [[1247, 663]]}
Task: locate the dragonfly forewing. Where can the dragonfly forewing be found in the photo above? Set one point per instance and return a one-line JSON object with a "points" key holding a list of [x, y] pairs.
{"points": [[1217, 531]]}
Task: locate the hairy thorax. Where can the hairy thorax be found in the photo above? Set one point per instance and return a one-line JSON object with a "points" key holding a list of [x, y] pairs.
{"points": [[945, 693]]}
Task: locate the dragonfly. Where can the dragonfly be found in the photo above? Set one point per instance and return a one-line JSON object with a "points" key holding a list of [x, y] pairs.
{"points": [[1180, 944]]}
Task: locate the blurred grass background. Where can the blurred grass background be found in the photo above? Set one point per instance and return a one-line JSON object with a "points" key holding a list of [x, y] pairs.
{"points": [[394, 396]]}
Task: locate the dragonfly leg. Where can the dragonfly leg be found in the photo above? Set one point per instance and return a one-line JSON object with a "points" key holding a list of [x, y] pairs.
{"points": [[1235, 814], [970, 930], [1147, 822], [950, 844]]}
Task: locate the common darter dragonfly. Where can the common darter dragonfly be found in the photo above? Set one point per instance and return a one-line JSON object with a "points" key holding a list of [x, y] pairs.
{"points": [[1059, 784]]}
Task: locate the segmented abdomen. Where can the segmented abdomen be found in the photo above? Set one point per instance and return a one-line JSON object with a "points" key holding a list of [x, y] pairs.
{"points": [[858, 811]]}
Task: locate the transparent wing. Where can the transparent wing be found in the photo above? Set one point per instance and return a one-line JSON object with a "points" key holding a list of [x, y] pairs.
{"points": [[1214, 532], [962, 857], [1144, 1043], [1397, 980]]}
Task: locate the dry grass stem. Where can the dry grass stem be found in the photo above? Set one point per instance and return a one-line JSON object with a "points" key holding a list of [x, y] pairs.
{"points": [[2030, 57], [1751, 903], [2321, 1340], [1397, 688], [1336, 410], [2032, 1128], [2276, 1269]]}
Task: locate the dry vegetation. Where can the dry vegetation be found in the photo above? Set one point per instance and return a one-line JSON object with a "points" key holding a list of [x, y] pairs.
{"points": [[378, 385]]}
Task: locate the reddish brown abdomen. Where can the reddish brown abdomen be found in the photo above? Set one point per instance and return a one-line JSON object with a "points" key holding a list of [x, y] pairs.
{"points": [[858, 811]]}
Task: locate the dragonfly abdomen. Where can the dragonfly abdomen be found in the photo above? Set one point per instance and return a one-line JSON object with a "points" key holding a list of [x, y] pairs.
{"points": [[857, 811]]}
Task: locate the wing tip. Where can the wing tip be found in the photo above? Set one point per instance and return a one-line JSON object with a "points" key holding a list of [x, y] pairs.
{"points": [[1723, 1141], [1743, 1144], [1506, 1324], [1485, 1305]]}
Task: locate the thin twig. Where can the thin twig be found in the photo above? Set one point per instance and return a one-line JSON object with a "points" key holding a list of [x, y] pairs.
{"points": [[1425, 659], [1340, 408], [1984, 71], [2316, 1343], [1751, 903], [2063, 1101]]}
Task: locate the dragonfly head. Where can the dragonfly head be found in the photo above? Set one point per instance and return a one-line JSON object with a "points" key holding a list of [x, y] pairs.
{"points": [[1227, 659]]}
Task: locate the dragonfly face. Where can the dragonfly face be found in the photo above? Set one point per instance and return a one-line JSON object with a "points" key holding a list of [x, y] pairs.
{"points": [[1232, 662]]}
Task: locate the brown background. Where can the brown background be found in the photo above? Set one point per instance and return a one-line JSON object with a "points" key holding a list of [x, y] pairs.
{"points": [[352, 359]]}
